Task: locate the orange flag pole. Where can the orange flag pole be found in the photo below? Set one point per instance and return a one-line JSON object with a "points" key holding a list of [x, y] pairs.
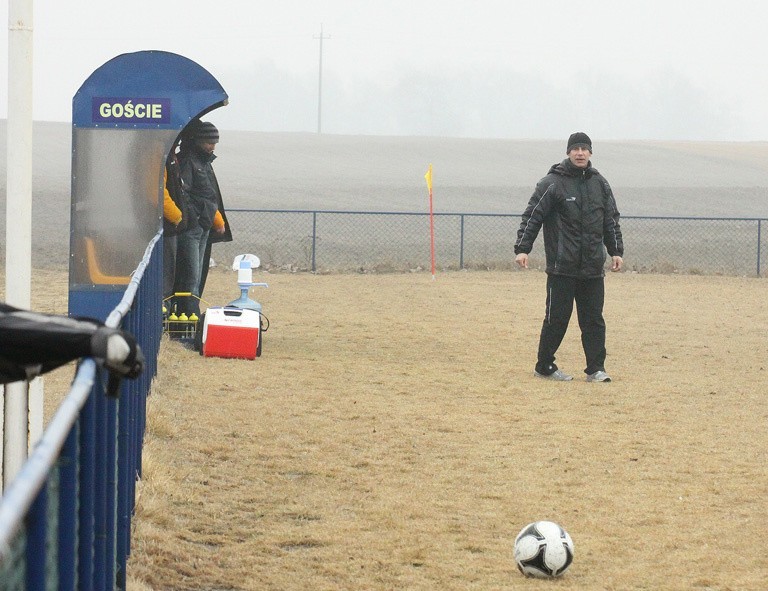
{"points": [[428, 178]]}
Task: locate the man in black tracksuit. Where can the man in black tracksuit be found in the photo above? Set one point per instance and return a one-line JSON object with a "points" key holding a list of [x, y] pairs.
{"points": [[576, 206]]}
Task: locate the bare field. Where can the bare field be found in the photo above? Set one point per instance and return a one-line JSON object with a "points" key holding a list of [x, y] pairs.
{"points": [[392, 436]]}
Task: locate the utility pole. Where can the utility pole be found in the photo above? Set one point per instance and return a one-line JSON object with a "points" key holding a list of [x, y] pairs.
{"points": [[320, 81], [18, 229]]}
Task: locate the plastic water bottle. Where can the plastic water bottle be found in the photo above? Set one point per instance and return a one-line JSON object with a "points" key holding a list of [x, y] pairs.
{"points": [[183, 320], [173, 321]]}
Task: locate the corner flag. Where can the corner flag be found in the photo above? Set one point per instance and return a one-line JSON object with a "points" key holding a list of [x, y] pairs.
{"points": [[428, 178]]}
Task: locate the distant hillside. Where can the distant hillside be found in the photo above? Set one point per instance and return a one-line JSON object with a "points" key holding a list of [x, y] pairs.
{"points": [[345, 172], [309, 171], [274, 170]]}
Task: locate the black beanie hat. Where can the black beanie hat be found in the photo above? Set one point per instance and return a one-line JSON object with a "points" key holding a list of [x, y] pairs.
{"points": [[579, 139], [205, 132]]}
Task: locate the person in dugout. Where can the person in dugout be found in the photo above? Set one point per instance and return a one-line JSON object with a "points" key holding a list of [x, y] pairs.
{"points": [[207, 221]]}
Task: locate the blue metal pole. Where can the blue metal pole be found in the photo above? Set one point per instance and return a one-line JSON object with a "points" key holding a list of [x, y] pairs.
{"points": [[37, 527], [87, 454], [100, 490], [125, 471], [68, 490], [111, 490]]}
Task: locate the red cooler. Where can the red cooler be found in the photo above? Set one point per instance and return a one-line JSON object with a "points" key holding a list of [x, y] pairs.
{"points": [[231, 332]]}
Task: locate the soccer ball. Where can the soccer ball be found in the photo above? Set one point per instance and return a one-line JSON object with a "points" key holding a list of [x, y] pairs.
{"points": [[543, 549]]}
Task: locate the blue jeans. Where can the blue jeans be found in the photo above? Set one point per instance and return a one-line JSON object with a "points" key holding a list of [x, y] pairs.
{"points": [[169, 265], [190, 252]]}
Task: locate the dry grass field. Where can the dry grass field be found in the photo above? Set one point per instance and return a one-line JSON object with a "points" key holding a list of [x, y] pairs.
{"points": [[392, 436]]}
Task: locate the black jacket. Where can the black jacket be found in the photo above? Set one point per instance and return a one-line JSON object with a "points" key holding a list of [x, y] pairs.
{"points": [[175, 188], [579, 214], [202, 189]]}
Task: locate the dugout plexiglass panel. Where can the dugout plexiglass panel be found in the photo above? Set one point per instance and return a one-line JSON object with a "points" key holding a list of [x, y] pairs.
{"points": [[117, 193]]}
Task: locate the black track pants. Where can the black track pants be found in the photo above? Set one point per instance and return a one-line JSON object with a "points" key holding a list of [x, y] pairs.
{"points": [[589, 295]]}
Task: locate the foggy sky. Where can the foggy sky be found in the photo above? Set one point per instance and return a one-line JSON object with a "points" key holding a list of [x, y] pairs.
{"points": [[650, 70]]}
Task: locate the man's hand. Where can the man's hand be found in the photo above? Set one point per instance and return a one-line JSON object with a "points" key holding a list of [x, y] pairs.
{"points": [[118, 350], [522, 260], [618, 262]]}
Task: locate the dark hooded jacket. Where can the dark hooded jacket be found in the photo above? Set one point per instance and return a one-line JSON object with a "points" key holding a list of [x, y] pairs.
{"points": [[202, 190], [580, 218], [204, 196]]}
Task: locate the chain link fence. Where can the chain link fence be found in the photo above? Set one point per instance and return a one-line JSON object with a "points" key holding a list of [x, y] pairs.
{"points": [[344, 241]]}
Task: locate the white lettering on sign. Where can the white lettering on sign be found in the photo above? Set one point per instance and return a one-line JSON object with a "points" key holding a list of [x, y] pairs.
{"points": [[130, 111]]}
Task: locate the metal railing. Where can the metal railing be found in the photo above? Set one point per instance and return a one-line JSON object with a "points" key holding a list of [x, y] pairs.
{"points": [[65, 519], [380, 241]]}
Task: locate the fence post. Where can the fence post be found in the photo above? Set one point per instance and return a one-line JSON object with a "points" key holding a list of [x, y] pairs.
{"points": [[126, 479], [759, 242], [461, 242], [314, 239], [85, 520], [68, 523], [37, 551]]}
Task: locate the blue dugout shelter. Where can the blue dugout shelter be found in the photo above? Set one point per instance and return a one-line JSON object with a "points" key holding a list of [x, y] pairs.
{"points": [[126, 117]]}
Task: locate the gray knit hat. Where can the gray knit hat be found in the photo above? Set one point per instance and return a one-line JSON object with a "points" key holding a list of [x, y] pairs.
{"points": [[205, 131], [579, 139]]}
